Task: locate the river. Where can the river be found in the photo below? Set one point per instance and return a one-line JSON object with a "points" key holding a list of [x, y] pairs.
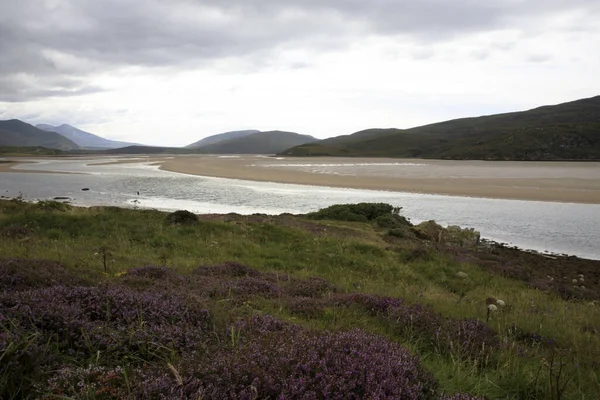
{"points": [[565, 228]]}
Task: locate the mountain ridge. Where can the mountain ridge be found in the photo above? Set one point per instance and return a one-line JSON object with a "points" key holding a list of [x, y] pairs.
{"points": [[269, 142], [220, 137], [83, 139], [16, 133], [566, 131]]}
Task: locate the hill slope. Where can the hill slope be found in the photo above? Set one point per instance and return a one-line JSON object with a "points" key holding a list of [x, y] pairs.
{"points": [[568, 131], [82, 138], [221, 137], [16, 133], [258, 143]]}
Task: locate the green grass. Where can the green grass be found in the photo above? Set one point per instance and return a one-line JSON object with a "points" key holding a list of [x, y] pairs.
{"points": [[99, 244]]}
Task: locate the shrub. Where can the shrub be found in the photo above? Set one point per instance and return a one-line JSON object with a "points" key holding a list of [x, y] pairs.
{"points": [[361, 212], [182, 217]]}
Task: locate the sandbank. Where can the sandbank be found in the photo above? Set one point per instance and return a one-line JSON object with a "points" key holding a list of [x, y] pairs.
{"points": [[488, 180]]}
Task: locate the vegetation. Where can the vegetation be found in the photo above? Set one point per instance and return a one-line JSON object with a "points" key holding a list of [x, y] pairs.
{"points": [[568, 131], [105, 303], [257, 143], [15, 133]]}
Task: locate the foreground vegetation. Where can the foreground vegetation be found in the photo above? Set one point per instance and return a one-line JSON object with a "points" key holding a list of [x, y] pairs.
{"points": [[349, 302]]}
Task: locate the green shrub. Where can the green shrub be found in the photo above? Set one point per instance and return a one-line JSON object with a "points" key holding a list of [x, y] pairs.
{"points": [[361, 212]]}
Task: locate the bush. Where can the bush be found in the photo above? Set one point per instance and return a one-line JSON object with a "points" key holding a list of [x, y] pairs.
{"points": [[182, 217], [361, 212]]}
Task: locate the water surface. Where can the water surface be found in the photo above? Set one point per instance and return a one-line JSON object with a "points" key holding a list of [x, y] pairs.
{"points": [[544, 226]]}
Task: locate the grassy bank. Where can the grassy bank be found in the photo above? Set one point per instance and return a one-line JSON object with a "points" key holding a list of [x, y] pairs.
{"points": [[105, 302]]}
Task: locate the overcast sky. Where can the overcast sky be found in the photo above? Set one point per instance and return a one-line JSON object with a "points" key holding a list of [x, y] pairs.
{"points": [[169, 72]]}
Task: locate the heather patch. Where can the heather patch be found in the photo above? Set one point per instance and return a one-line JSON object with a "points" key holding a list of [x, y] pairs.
{"points": [[301, 364], [311, 287], [18, 273], [118, 321], [306, 307], [228, 269]]}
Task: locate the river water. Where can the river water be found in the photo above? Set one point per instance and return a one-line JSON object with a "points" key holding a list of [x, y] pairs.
{"points": [[567, 228]]}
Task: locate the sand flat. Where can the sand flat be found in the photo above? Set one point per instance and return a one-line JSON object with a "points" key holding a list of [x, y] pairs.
{"points": [[561, 181]]}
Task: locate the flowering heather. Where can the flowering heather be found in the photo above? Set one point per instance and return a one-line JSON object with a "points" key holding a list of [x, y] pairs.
{"points": [[17, 274], [265, 324], [229, 269], [116, 320], [372, 303], [151, 272], [305, 306], [302, 365], [246, 287], [311, 287], [460, 396], [471, 338]]}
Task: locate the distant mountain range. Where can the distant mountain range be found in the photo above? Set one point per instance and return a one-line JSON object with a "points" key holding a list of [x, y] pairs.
{"points": [[16, 133], [220, 138], [568, 131], [83, 139], [270, 142]]}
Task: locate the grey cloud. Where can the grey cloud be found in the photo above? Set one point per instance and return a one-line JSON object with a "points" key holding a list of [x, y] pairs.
{"points": [[52, 47]]}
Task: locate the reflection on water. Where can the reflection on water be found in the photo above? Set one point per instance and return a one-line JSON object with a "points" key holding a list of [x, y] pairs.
{"points": [[557, 227]]}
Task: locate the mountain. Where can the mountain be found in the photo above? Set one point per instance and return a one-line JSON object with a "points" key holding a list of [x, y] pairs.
{"points": [[221, 137], [258, 143], [16, 133], [140, 149], [84, 139], [568, 131]]}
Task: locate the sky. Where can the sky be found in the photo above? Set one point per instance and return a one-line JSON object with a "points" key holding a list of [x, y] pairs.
{"points": [[170, 72]]}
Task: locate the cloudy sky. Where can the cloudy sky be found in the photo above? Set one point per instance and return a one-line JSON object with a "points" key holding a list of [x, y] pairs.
{"points": [[170, 72]]}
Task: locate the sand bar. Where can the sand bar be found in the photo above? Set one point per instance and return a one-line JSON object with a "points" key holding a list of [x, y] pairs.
{"points": [[544, 181], [576, 182]]}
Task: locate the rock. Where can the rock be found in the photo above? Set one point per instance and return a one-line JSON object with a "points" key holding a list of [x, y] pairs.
{"points": [[462, 275], [467, 237]]}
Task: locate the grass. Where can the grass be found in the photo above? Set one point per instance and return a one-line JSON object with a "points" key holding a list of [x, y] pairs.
{"points": [[319, 275]]}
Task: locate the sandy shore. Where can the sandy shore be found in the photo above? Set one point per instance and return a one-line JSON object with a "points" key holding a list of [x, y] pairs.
{"points": [[543, 181], [540, 181]]}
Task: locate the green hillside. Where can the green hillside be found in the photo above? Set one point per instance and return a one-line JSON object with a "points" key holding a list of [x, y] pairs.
{"points": [[258, 143], [568, 131], [16, 133], [349, 302]]}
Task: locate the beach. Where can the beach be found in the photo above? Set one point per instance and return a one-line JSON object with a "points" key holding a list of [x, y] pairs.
{"points": [[543, 181], [456, 178]]}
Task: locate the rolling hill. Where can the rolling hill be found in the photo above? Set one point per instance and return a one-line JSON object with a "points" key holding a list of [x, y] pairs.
{"points": [[84, 139], [221, 137], [258, 143], [16, 133], [568, 131]]}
